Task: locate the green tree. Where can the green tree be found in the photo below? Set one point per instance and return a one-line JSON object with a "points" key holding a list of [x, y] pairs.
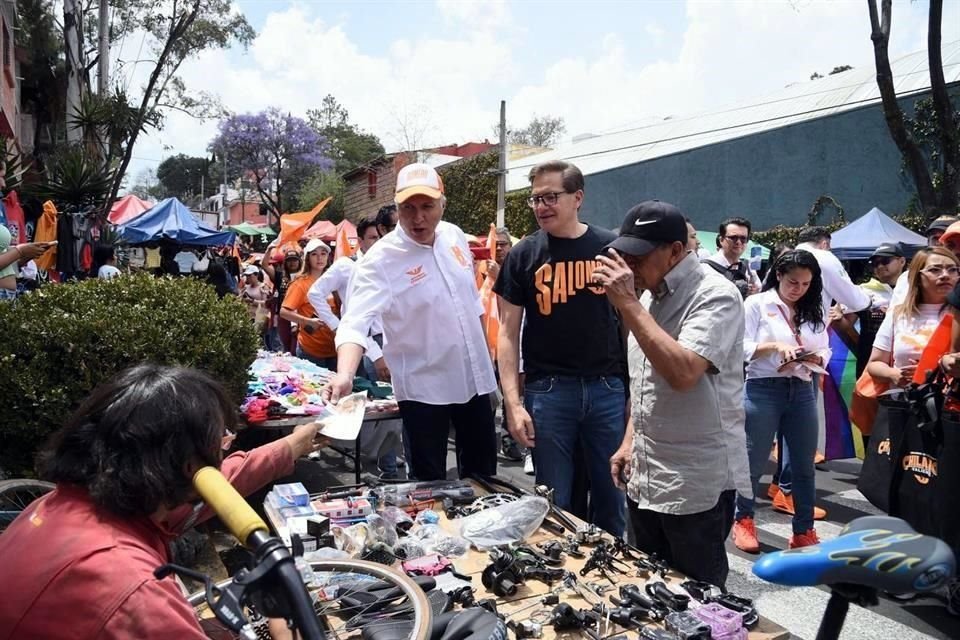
{"points": [[933, 198], [177, 32], [349, 147], [542, 131], [183, 176], [146, 186], [471, 189], [321, 185]]}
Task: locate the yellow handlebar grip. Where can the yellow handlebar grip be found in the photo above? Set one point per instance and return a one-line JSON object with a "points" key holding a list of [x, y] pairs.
{"points": [[217, 491]]}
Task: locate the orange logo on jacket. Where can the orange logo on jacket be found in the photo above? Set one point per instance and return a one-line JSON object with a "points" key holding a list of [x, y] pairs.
{"points": [[416, 274], [458, 254], [557, 282]]}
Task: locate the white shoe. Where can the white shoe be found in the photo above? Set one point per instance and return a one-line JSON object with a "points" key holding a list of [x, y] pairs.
{"points": [[528, 463]]}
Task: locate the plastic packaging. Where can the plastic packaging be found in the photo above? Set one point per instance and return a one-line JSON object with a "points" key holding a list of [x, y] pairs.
{"points": [[351, 539], [429, 516], [408, 549], [505, 524], [381, 530], [325, 553], [435, 540], [399, 518], [723, 622]]}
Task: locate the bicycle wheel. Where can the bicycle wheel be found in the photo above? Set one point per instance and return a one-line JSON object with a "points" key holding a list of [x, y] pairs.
{"points": [[338, 580], [16, 495]]}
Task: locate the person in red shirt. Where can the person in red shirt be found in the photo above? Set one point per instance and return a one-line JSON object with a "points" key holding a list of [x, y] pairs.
{"points": [[78, 563]]}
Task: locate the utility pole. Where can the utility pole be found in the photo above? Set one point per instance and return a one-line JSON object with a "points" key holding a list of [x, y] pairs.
{"points": [[502, 169], [225, 215], [72, 19], [103, 50]]}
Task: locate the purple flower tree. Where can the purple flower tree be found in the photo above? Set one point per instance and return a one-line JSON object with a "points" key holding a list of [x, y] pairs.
{"points": [[277, 149]]}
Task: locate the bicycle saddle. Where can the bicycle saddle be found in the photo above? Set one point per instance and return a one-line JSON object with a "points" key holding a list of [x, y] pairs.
{"points": [[874, 551]]}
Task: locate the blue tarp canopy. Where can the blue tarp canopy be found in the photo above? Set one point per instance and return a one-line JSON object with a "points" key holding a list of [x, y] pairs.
{"points": [[857, 240], [171, 220]]}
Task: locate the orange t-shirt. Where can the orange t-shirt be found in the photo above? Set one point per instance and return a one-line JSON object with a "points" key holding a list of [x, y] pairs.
{"points": [[320, 343]]}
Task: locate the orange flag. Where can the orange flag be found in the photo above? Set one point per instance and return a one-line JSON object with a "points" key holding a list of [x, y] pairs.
{"points": [[937, 347], [292, 225], [491, 314], [343, 249]]}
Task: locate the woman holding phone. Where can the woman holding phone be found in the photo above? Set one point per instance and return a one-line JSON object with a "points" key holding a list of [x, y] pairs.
{"points": [[12, 257], [784, 343]]}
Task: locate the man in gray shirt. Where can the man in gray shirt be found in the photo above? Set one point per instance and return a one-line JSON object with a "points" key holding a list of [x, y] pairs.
{"points": [[688, 324]]}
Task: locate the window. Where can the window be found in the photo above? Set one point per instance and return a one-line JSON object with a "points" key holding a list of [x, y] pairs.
{"points": [[371, 184]]}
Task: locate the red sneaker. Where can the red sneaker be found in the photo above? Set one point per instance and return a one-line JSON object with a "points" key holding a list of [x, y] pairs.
{"points": [[804, 539], [745, 535]]}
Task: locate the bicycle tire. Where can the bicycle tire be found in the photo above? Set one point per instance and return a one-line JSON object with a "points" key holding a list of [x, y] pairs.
{"points": [[422, 615], [16, 495]]}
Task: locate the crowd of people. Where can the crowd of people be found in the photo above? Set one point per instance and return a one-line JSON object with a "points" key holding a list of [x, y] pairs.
{"points": [[647, 380]]}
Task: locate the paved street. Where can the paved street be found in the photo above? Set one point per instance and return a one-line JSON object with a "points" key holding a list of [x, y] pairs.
{"points": [[797, 609]]}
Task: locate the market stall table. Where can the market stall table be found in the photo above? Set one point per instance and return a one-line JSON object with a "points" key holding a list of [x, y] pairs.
{"points": [[474, 561], [372, 417]]}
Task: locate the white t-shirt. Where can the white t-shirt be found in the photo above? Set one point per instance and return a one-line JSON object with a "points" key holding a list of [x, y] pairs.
{"points": [[107, 272], [910, 334]]}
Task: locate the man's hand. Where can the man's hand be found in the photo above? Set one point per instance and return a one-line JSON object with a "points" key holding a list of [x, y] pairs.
{"points": [[305, 439], [277, 627], [493, 269], [383, 372], [617, 279], [520, 425], [950, 364], [621, 465], [338, 386]]}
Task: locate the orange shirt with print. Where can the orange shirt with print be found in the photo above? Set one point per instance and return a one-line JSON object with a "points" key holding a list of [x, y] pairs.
{"points": [[320, 343]]}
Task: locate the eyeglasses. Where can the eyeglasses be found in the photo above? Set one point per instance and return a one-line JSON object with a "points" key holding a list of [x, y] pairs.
{"points": [[736, 239], [881, 261], [936, 272], [546, 199]]}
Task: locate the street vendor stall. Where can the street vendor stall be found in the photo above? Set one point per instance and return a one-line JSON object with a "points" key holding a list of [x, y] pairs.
{"points": [[284, 391], [487, 547]]}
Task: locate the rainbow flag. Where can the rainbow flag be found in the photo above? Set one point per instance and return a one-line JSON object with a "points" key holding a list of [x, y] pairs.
{"points": [[843, 439]]}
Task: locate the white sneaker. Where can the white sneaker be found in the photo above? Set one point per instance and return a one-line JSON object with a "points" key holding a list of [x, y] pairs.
{"points": [[528, 463]]}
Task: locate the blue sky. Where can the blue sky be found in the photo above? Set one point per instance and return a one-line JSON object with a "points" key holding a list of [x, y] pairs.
{"points": [[437, 69]]}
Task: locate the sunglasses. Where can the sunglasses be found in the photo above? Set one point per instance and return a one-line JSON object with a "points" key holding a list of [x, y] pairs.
{"points": [[738, 239], [881, 261]]}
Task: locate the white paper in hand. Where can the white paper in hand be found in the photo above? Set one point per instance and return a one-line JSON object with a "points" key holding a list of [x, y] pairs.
{"points": [[346, 418]]}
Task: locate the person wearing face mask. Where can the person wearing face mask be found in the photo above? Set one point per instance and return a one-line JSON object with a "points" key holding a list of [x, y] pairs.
{"points": [[419, 281], [784, 341]]}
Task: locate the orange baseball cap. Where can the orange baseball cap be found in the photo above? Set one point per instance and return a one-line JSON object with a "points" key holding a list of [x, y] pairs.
{"points": [[952, 232], [418, 179]]}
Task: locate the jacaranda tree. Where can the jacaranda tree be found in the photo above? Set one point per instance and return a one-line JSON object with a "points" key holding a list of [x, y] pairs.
{"points": [[276, 149]]}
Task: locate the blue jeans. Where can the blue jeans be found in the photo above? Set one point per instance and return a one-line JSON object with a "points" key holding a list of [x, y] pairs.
{"points": [[570, 412], [787, 405], [784, 475]]}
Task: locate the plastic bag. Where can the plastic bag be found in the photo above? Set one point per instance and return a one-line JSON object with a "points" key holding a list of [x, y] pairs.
{"points": [[435, 540], [351, 539], [399, 518], [408, 549], [506, 523], [428, 516], [381, 530], [325, 553]]}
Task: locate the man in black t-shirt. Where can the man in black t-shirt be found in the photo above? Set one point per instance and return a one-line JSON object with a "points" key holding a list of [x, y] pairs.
{"points": [[573, 350]]}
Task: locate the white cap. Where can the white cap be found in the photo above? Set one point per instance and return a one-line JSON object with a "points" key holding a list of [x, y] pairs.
{"points": [[418, 179], [251, 270], [314, 244]]}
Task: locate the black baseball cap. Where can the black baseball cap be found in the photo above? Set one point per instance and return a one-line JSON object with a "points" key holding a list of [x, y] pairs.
{"points": [[647, 226], [888, 250], [940, 224]]}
